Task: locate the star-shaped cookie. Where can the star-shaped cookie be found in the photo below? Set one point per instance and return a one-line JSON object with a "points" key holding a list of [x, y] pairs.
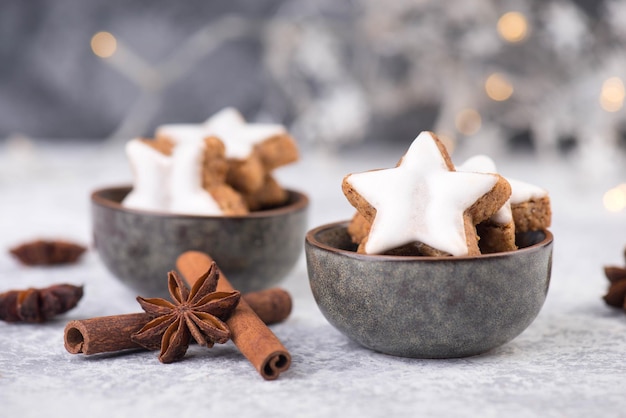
{"points": [[253, 149], [531, 206], [239, 158], [151, 171], [251, 152], [185, 182], [497, 233], [182, 132], [424, 200], [242, 138], [528, 209], [186, 177]]}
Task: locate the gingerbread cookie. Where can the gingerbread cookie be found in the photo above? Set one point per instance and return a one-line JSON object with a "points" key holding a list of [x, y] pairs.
{"points": [[269, 195], [187, 196], [215, 166], [529, 205], [163, 145], [424, 200], [230, 160], [151, 170], [252, 149], [271, 142], [181, 132], [497, 233], [358, 228], [182, 177]]}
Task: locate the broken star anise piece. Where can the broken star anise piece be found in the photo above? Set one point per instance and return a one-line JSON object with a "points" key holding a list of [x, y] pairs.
{"points": [[197, 313], [38, 305], [616, 295]]}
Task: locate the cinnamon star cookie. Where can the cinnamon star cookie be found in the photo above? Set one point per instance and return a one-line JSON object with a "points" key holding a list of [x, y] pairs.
{"points": [[252, 149], [528, 208], [424, 200], [498, 232]]}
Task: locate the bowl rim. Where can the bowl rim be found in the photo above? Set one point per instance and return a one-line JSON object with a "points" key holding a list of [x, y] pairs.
{"points": [[310, 238], [300, 202]]}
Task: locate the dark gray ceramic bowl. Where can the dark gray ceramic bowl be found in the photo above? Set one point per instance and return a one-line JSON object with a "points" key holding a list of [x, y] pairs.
{"points": [[139, 247], [428, 307]]}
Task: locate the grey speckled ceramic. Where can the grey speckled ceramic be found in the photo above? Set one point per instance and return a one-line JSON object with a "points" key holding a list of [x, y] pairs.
{"points": [[428, 307], [254, 251]]}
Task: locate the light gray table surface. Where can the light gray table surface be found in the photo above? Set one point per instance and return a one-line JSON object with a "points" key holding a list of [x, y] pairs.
{"points": [[571, 361]]}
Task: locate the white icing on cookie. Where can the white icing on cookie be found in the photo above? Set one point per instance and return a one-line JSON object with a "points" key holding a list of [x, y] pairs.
{"points": [[522, 191], [239, 137], [484, 164], [225, 119], [151, 171], [169, 183], [420, 200], [478, 164], [186, 192], [174, 183], [182, 132]]}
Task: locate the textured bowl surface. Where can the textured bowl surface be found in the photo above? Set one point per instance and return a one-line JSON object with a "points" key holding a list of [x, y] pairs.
{"points": [[254, 251], [428, 307]]}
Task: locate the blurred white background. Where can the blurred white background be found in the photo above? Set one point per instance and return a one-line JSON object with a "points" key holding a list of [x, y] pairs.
{"points": [[539, 81]]}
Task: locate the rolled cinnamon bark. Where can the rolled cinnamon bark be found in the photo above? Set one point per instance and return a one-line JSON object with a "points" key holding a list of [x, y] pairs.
{"points": [[253, 338], [271, 305], [112, 333], [103, 334]]}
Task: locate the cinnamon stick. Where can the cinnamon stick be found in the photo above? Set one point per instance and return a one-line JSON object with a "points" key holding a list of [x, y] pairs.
{"points": [[253, 338], [112, 333], [271, 305], [103, 334]]}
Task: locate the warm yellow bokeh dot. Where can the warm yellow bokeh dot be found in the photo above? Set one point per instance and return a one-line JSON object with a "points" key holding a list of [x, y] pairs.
{"points": [[103, 44], [612, 94], [615, 199], [513, 27], [468, 121], [498, 88]]}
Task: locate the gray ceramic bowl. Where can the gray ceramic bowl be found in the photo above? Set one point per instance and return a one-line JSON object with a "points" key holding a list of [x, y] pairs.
{"points": [[139, 247], [428, 307]]}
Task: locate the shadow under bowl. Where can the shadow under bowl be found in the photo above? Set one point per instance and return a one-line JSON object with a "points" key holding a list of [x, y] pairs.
{"points": [[140, 247], [428, 307]]}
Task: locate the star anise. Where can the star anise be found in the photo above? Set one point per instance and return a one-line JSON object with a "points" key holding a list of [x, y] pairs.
{"points": [[47, 252], [197, 313], [616, 295], [38, 304]]}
